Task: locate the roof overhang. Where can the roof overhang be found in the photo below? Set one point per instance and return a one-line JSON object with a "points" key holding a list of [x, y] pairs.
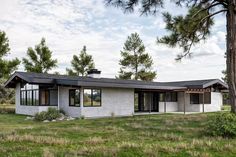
{"points": [[217, 81]]}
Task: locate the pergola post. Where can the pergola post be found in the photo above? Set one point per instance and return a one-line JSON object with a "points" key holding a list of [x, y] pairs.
{"points": [[81, 100], [184, 102], [203, 102], [58, 97], [150, 104], [165, 103]]}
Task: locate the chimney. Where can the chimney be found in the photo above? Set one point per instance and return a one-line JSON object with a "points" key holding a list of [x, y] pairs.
{"points": [[94, 73]]}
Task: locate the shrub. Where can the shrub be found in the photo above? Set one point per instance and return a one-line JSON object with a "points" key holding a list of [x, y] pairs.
{"points": [[50, 114], [223, 124], [41, 116]]}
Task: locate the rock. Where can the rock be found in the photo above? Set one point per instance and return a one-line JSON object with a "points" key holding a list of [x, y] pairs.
{"points": [[29, 118], [70, 118], [61, 118], [46, 121], [53, 120]]}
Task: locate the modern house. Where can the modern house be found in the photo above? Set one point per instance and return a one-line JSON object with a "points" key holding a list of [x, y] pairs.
{"points": [[93, 96]]}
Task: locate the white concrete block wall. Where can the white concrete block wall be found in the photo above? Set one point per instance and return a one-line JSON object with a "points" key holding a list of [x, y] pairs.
{"points": [[216, 103], [117, 101], [170, 107], [64, 103]]}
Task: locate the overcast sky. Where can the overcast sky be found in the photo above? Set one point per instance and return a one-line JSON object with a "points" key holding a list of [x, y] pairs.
{"points": [[67, 25]]}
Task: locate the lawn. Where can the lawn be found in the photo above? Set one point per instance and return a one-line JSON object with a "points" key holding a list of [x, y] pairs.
{"points": [[149, 135]]}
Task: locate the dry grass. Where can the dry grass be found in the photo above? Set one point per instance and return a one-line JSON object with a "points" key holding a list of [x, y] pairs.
{"points": [[152, 135], [35, 139]]}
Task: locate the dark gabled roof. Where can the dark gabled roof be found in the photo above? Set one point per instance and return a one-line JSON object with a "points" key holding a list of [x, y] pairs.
{"points": [[197, 83], [41, 78]]}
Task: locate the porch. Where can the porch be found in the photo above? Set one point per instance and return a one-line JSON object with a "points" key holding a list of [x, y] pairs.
{"points": [[192, 100]]}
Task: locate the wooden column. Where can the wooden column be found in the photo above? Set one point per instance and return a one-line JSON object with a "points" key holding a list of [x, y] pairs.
{"points": [[184, 102], [165, 104], [58, 97], [150, 103], [203, 102]]}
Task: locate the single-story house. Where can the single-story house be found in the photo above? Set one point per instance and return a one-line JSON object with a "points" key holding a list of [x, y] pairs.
{"points": [[93, 96]]}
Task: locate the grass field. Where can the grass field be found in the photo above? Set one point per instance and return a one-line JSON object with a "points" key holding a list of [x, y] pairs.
{"points": [[149, 135]]}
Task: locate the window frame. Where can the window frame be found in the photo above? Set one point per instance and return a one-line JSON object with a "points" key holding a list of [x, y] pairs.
{"points": [[91, 102], [162, 95], [33, 95], [70, 90], [200, 98]]}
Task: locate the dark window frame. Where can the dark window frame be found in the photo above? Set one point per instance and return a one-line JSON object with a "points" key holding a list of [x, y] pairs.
{"points": [[33, 96], [40, 93], [171, 96], [193, 100], [91, 89], [74, 90], [200, 98]]}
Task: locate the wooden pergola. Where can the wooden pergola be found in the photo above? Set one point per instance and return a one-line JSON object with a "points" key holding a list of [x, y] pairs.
{"points": [[196, 91]]}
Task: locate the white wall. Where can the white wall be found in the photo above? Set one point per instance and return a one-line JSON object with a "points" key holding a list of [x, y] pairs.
{"points": [[64, 103], [216, 103], [117, 101], [170, 107]]}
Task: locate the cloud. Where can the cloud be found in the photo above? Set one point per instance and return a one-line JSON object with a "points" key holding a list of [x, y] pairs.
{"points": [[67, 25]]}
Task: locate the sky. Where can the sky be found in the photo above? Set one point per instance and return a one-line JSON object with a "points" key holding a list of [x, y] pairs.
{"points": [[68, 25]]}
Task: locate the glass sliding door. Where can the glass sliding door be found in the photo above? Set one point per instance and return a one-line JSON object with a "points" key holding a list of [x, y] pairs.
{"points": [[146, 102]]}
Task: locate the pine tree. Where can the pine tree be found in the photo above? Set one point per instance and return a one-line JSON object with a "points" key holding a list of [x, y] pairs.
{"points": [[135, 63], [39, 59], [7, 66], [81, 64], [189, 29]]}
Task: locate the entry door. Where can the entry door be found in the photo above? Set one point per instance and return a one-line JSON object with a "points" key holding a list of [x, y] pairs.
{"points": [[155, 102]]}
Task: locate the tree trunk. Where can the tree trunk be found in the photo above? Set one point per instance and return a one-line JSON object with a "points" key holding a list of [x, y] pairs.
{"points": [[231, 52], [136, 65]]}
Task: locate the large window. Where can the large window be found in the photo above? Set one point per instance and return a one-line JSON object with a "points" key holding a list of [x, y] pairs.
{"points": [[29, 95], [92, 97], [44, 97], [33, 95], [196, 98], [74, 97], [168, 97]]}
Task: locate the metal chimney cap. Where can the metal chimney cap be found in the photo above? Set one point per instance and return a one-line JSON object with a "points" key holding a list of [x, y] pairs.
{"points": [[94, 71]]}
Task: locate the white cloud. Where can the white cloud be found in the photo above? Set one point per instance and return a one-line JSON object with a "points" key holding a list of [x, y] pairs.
{"points": [[68, 25]]}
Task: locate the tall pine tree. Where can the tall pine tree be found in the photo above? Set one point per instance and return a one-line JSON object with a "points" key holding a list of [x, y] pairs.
{"points": [[135, 63], [39, 59], [6, 66], [81, 64], [189, 29]]}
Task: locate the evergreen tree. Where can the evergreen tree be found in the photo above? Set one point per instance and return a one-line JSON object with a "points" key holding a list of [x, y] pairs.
{"points": [[39, 59], [81, 64], [224, 78], [7, 66], [189, 29], [135, 63]]}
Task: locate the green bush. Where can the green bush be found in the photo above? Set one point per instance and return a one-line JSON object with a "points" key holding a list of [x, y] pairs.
{"points": [[41, 116], [223, 124], [50, 114]]}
